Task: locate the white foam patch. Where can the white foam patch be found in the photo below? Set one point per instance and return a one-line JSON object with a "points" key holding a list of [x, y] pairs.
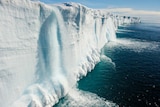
{"points": [[134, 45], [124, 30], [106, 59], [79, 98]]}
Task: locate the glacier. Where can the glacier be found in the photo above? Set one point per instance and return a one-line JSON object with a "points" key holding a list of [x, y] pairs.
{"points": [[46, 49]]}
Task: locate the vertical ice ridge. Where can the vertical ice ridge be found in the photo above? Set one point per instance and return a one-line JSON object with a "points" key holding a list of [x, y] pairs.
{"points": [[54, 76], [50, 71], [62, 48]]}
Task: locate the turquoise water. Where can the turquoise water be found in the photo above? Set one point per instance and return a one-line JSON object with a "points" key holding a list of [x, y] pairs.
{"points": [[129, 73]]}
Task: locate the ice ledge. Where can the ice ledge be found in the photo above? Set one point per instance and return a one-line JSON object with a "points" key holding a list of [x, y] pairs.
{"points": [[63, 46]]}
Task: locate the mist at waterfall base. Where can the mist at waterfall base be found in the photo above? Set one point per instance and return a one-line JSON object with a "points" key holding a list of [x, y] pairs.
{"points": [[129, 71]]}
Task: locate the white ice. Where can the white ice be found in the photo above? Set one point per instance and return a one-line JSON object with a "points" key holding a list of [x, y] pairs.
{"points": [[45, 50]]}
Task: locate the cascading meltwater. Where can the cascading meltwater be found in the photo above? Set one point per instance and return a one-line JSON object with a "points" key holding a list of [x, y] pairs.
{"points": [[61, 48]]}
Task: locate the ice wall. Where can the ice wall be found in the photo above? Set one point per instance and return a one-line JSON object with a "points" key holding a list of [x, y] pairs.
{"points": [[45, 49]]}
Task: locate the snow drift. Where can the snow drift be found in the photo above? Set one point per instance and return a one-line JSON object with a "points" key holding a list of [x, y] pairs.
{"points": [[45, 50]]}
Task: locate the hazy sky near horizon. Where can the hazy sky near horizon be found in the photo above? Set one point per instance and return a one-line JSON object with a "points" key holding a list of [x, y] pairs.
{"points": [[153, 5]]}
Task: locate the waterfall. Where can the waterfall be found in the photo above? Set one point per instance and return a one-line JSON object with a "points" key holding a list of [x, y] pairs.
{"points": [[70, 39], [52, 83]]}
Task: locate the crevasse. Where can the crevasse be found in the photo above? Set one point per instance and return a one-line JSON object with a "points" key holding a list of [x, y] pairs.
{"points": [[47, 49]]}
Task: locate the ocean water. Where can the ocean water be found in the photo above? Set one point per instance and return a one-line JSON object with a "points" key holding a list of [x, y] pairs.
{"points": [[128, 74], [129, 71]]}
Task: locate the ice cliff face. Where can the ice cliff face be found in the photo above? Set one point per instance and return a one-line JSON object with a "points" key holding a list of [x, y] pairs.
{"points": [[45, 49]]}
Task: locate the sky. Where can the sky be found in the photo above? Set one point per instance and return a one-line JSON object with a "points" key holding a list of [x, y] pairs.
{"points": [[153, 5]]}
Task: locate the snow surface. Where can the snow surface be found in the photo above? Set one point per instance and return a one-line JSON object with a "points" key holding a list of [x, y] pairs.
{"points": [[45, 50]]}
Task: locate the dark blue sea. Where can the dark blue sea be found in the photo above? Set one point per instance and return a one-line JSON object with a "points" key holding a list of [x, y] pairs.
{"points": [[129, 71], [128, 74]]}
